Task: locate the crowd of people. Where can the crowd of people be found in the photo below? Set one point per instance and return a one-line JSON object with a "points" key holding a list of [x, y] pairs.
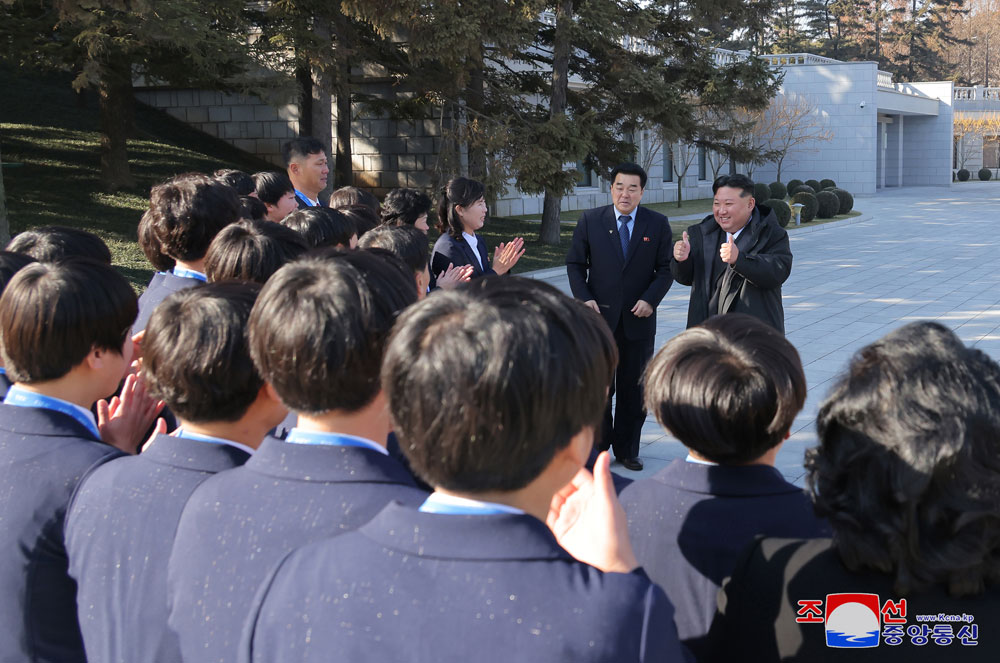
{"points": [[315, 438]]}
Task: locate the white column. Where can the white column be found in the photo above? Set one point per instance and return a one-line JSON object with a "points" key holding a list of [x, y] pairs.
{"points": [[899, 146]]}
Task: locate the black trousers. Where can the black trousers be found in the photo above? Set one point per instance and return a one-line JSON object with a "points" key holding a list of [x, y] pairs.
{"points": [[622, 432]]}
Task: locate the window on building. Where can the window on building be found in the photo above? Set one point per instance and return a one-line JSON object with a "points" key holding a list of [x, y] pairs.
{"points": [[668, 163], [585, 177], [702, 163]]}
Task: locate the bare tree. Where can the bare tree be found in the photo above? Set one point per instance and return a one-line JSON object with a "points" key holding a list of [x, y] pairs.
{"points": [[794, 122], [683, 155], [984, 126]]}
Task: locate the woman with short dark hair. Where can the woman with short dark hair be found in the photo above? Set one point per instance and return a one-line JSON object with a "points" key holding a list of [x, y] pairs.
{"points": [[907, 472]]}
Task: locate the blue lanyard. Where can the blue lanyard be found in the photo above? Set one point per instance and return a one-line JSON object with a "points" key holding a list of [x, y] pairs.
{"points": [[433, 505], [316, 438], [3, 371], [189, 274], [306, 199], [25, 398]]}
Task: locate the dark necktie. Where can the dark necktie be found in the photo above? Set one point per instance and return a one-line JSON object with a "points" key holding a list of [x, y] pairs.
{"points": [[623, 234]]}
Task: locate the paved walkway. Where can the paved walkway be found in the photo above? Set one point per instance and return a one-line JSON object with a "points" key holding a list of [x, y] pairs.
{"points": [[917, 253]]}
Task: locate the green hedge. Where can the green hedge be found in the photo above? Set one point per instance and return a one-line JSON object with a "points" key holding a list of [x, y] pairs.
{"points": [[985, 174], [778, 191], [828, 184], [963, 175], [792, 184], [829, 204], [761, 191], [802, 188], [846, 200], [780, 209], [815, 185], [810, 205]]}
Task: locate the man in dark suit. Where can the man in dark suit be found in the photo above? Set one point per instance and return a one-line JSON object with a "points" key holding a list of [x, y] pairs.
{"points": [[307, 168], [474, 574], [736, 259], [317, 334], [729, 391], [619, 264], [121, 523], [65, 332]]}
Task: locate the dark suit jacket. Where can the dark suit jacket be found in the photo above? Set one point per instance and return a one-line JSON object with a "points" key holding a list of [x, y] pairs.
{"points": [[424, 587], [304, 205], [159, 288], [689, 523], [119, 531], [457, 252], [752, 285], [239, 524], [43, 456], [758, 607], [5, 384], [598, 271]]}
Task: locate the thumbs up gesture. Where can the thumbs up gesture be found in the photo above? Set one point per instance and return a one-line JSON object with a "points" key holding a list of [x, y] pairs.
{"points": [[682, 249], [729, 252]]}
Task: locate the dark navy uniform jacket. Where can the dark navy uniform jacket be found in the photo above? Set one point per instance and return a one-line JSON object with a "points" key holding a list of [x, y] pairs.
{"points": [[119, 532], [5, 384], [432, 588], [43, 456], [161, 286], [689, 524], [240, 523]]}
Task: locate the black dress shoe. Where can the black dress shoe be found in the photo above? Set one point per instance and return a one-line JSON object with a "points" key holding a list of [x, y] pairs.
{"points": [[634, 464]]}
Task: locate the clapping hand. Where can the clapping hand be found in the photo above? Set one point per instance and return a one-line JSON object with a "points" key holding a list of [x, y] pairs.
{"points": [[125, 420], [506, 255], [451, 277]]}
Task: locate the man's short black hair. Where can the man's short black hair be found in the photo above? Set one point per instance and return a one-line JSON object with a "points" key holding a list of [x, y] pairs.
{"points": [[349, 196], [195, 352], [906, 468], [737, 181], [485, 383], [629, 168], [298, 148], [11, 263], [405, 242], [186, 212], [237, 179], [53, 314], [251, 208], [271, 186], [322, 226], [362, 216], [728, 389], [404, 207], [51, 243], [252, 251], [318, 330], [150, 245]]}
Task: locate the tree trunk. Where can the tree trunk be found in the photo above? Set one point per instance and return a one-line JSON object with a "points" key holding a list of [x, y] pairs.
{"points": [[343, 168], [116, 113], [475, 100], [549, 231], [4, 221], [680, 180], [303, 76]]}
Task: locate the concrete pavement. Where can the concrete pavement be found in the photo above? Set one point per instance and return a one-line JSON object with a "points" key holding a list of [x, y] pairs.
{"points": [[916, 253]]}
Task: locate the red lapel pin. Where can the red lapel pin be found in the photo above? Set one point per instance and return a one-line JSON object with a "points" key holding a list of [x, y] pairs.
{"points": [[645, 239]]}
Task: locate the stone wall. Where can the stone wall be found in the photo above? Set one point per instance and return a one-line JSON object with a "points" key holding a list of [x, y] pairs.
{"points": [[387, 154], [928, 145], [246, 122]]}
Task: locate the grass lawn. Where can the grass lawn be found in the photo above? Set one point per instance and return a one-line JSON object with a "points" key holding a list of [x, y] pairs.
{"points": [[55, 141]]}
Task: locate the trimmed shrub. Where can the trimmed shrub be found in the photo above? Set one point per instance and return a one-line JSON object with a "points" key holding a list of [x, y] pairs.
{"points": [[846, 200], [829, 188], [792, 184], [829, 204], [815, 185], [802, 188], [828, 184], [761, 191], [963, 175], [778, 191], [780, 209], [985, 174], [810, 205]]}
